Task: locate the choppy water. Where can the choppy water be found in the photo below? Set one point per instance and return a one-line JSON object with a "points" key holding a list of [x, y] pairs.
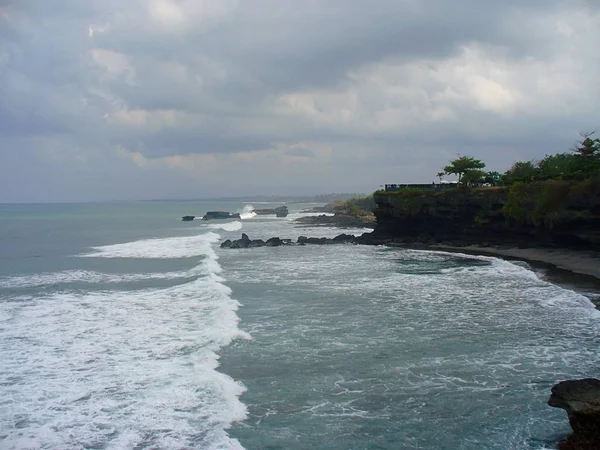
{"points": [[113, 319]]}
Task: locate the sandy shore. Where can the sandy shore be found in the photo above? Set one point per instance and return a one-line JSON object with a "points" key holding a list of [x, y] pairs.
{"points": [[586, 263]]}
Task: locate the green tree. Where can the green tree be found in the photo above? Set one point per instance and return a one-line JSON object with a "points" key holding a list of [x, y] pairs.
{"points": [[460, 166], [473, 177], [492, 178], [588, 147], [562, 166], [521, 171]]}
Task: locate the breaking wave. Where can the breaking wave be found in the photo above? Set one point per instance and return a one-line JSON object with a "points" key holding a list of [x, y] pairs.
{"points": [[247, 212], [124, 369]]}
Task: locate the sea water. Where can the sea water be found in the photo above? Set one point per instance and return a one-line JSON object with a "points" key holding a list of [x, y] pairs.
{"points": [[123, 327]]}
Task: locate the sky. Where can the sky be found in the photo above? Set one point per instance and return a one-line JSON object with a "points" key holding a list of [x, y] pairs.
{"points": [[156, 99]]}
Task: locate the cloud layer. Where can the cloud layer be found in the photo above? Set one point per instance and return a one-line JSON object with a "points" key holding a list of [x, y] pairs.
{"points": [[192, 98]]}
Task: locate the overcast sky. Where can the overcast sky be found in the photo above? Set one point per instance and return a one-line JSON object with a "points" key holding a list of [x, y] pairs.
{"points": [[140, 99]]}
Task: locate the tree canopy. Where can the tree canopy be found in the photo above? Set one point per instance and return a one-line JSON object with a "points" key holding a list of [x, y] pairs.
{"points": [[582, 163], [588, 147], [462, 165]]}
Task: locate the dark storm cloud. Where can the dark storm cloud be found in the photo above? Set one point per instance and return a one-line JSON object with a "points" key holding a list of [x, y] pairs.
{"points": [[271, 46], [336, 80]]}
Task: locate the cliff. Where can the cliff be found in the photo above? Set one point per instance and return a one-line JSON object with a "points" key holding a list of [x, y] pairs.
{"points": [[551, 213]]}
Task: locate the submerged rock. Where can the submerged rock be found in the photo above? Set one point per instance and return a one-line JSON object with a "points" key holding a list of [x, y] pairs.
{"points": [[581, 400]]}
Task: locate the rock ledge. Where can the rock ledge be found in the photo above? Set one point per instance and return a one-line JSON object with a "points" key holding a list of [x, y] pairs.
{"points": [[581, 400]]}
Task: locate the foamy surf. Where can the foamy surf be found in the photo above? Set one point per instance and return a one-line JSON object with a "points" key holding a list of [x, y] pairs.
{"points": [[124, 369], [247, 212], [87, 276], [166, 248], [231, 226]]}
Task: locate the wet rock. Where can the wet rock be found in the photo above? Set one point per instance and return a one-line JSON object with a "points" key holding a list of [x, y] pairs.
{"points": [[280, 211], [274, 242], [581, 400], [338, 220], [343, 238], [246, 242], [211, 215]]}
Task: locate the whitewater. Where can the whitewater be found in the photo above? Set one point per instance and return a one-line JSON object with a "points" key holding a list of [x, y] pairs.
{"points": [[128, 368], [123, 333]]}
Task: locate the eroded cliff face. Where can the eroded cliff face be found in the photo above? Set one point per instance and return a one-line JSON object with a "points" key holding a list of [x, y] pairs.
{"points": [[552, 213]]}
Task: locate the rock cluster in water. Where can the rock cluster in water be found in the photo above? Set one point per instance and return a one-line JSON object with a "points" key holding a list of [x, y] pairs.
{"points": [[581, 400], [246, 242], [210, 215], [280, 211]]}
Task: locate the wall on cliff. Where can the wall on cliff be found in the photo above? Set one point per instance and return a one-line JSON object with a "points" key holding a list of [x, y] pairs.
{"points": [[552, 213]]}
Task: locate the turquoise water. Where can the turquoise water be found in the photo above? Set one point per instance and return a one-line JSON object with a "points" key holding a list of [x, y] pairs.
{"points": [[123, 327]]}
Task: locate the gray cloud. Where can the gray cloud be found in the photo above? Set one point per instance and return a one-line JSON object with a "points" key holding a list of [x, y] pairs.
{"points": [[368, 90]]}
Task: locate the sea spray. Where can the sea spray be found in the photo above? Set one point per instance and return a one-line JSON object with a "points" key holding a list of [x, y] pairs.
{"points": [[247, 212]]}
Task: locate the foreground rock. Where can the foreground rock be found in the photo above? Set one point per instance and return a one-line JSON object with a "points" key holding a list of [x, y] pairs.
{"points": [[581, 400], [210, 215], [246, 242]]}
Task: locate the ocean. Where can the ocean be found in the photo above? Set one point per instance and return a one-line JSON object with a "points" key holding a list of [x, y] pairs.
{"points": [[122, 327]]}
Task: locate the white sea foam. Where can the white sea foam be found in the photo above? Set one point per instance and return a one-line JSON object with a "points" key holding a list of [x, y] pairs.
{"points": [[122, 369], [513, 275], [230, 226], [247, 212], [174, 247], [87, 276]]}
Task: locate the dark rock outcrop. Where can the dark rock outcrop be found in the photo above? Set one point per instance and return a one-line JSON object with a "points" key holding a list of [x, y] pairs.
{"points": [[273, 242], [338, 220], [210, 215], [328, 208], [246, 242], [280, 211], [188, 218], [581, 400]]}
